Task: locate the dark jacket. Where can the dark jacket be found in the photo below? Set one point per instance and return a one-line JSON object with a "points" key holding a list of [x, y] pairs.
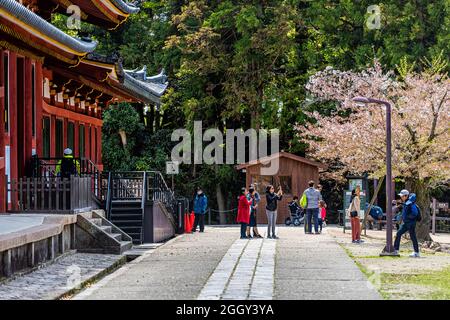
{"points": [[410, 210], [294, 207], [271, 199], [200, 204]]}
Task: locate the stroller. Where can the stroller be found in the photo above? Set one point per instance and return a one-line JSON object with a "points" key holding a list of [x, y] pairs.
{"points": [[296, 217]]}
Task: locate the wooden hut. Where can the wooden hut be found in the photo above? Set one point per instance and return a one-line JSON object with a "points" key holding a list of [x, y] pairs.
{"points": [[293, 175]]}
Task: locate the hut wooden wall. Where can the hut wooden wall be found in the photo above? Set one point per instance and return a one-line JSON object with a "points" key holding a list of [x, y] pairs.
{"points": [[301, 173]]}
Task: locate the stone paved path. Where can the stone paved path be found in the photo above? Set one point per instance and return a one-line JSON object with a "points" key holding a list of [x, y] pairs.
{"points": [[315, 267], [53, 280], [245, 272], [218, 265]]}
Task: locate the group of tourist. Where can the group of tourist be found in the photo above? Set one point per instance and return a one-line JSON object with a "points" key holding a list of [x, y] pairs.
{"points": [[407, 215], [249, 199], [247, 206], [315, 208]]}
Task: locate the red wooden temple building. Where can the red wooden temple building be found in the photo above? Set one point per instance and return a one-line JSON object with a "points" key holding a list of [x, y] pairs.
{"points": [[54, 87]]}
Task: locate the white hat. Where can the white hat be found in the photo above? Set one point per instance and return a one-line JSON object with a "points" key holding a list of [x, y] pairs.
{"points": [[68, 151], [404, 192]]}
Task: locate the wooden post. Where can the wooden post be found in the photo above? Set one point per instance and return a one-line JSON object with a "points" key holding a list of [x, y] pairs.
{"points": [[433, 223]]}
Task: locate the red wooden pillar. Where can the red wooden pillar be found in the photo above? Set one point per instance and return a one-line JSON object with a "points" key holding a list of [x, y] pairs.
{"points": [[76, 138], [27, 144], [65, 127], [87, 142], [93, 145], [52, 136], [39, 105], [99, 145], [2, 138], [13, 157]]}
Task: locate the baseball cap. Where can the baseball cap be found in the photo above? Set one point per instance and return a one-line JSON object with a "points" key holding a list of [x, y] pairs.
{"points": [[68, 151], [404, 192]]}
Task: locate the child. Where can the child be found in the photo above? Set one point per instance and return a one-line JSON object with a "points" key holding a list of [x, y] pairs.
{"points": [[322, 213]]}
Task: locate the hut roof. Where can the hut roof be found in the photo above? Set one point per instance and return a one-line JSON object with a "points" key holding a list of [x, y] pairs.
{"points": [[265, 160]]}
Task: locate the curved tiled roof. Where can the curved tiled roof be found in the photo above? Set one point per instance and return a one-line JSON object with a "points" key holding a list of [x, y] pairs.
{"points": [[150, 88], [125, 6], [28, 17]]}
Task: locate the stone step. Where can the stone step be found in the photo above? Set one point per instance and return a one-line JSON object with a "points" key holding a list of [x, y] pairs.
{"points": [[116, 236], [96, 221], [125, 246], [107, 229]]}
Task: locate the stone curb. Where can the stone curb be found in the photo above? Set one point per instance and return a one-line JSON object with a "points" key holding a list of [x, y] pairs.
{"points": [[116, 265], [119, 268]]}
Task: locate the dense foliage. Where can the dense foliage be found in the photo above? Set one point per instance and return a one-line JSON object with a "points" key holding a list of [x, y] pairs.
{"points": [[237, 63]]}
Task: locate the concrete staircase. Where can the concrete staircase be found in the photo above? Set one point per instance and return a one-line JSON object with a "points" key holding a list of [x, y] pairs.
{"points": [[95, 234]]}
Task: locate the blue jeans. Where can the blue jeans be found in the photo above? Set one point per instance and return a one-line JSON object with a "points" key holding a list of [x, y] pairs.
{"points": [[313, 214], [407, 227]]}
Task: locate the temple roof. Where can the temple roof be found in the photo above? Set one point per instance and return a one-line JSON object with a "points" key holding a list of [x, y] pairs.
{"points": [[125, 6], [16, 13], [134, 84], [104, 13], [150, 89]]}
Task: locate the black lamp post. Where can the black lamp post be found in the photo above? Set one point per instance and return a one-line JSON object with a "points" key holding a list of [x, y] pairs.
{"points": [[389, 249]]}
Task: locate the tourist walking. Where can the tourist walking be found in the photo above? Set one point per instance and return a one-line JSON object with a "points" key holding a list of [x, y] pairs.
{"points": [[254, 196], [200, 206], [272, 199], [354, 208], [243, 216], [410, 216], [313, 196]]}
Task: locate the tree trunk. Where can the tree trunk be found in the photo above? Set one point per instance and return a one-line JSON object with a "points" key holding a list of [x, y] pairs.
{"points": [[221, 204], [421, 189]]}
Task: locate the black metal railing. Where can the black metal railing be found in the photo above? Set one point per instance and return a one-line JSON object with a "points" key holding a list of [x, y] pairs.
{"points": [[144, 186], [48, 168], [50, 194]]}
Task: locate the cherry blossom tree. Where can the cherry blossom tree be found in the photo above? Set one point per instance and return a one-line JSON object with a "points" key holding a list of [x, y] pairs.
{"points": [[354, 135]]}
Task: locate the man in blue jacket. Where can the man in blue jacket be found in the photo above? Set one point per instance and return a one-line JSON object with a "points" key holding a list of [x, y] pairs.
{"points": [[200, 205], [410, 216], [375, 214]]}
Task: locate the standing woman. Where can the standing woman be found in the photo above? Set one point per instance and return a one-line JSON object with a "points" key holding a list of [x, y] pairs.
{"points": [[254, 196], [271, 209], [243, 216], [355, 206]]}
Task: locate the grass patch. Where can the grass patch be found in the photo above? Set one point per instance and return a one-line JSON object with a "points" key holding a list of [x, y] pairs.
{"points": [[437, 281]]}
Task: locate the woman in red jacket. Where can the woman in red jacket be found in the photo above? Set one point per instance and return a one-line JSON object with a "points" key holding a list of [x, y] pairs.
{"points": [[243, 216]]}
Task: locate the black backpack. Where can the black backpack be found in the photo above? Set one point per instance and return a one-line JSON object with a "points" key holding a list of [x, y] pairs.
{"points": [[419, 214], [68, 168]]}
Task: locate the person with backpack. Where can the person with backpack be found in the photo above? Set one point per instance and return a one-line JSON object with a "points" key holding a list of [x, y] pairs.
{"points": [[67, 166], [312, 197], [410, 215], [200, 206]]}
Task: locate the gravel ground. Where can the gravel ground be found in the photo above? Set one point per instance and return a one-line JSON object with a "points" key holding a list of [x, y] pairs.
{"points": [[367, 254]]}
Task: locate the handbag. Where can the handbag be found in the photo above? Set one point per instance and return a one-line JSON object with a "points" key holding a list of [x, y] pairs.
{"points": [[354, 214]]}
